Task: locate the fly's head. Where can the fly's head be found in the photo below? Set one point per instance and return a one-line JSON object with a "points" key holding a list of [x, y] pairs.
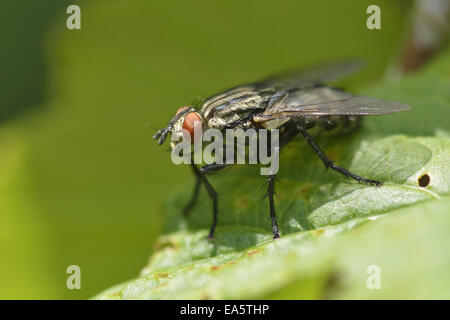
{"points": [[187, 124]]}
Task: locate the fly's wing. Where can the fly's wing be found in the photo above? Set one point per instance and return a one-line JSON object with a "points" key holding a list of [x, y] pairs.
{"points": [[307, 77], [252, 96], [325, 101]]}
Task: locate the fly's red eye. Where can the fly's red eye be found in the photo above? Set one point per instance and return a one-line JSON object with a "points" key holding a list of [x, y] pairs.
{"points": [[191, 121]]}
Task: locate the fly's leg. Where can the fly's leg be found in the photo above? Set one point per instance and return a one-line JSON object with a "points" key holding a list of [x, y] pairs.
{"points": [[194, 196], [273, 217], [212, 193], [329, 163]]}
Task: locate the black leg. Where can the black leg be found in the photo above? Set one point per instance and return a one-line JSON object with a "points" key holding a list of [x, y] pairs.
{"points": [[212, 193], [273, 217], [194, 196], [329, 163], [212, 167]]}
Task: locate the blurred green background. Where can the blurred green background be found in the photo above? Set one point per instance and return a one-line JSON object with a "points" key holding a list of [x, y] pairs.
{"points": [[81, 180]]}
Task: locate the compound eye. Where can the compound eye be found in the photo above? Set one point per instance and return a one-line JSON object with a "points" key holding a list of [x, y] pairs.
{"points": [[192, 121]]}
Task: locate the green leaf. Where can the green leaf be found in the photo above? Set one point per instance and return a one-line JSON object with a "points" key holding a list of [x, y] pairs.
{"points": [[333, 228]]}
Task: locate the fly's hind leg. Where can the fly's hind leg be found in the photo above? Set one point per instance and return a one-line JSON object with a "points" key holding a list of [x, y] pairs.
{"points": [[273, 217], [329, 163]]}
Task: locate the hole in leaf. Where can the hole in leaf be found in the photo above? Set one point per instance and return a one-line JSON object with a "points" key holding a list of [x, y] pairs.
{"points": [[424, 180]]}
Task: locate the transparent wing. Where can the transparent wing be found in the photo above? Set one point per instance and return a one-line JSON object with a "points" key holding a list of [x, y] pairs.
{"points": [[357, 105], [290, 80], [314, 75], [349, 105]]}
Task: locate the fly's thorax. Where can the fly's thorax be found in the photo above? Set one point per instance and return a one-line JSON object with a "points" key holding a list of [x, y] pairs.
{"points": [[234, 120], [234, 106], [239, 98]]}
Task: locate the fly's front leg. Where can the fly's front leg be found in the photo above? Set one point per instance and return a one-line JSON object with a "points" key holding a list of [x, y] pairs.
{"points": [[194, 196], [329, 163], [212, 193], [273, 217]]}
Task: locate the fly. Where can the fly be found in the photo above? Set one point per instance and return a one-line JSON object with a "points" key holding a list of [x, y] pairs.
{"points": [[295, 103]]}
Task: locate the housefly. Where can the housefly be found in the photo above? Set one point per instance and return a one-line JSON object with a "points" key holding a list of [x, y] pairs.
{"points": [[295, 103]]}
